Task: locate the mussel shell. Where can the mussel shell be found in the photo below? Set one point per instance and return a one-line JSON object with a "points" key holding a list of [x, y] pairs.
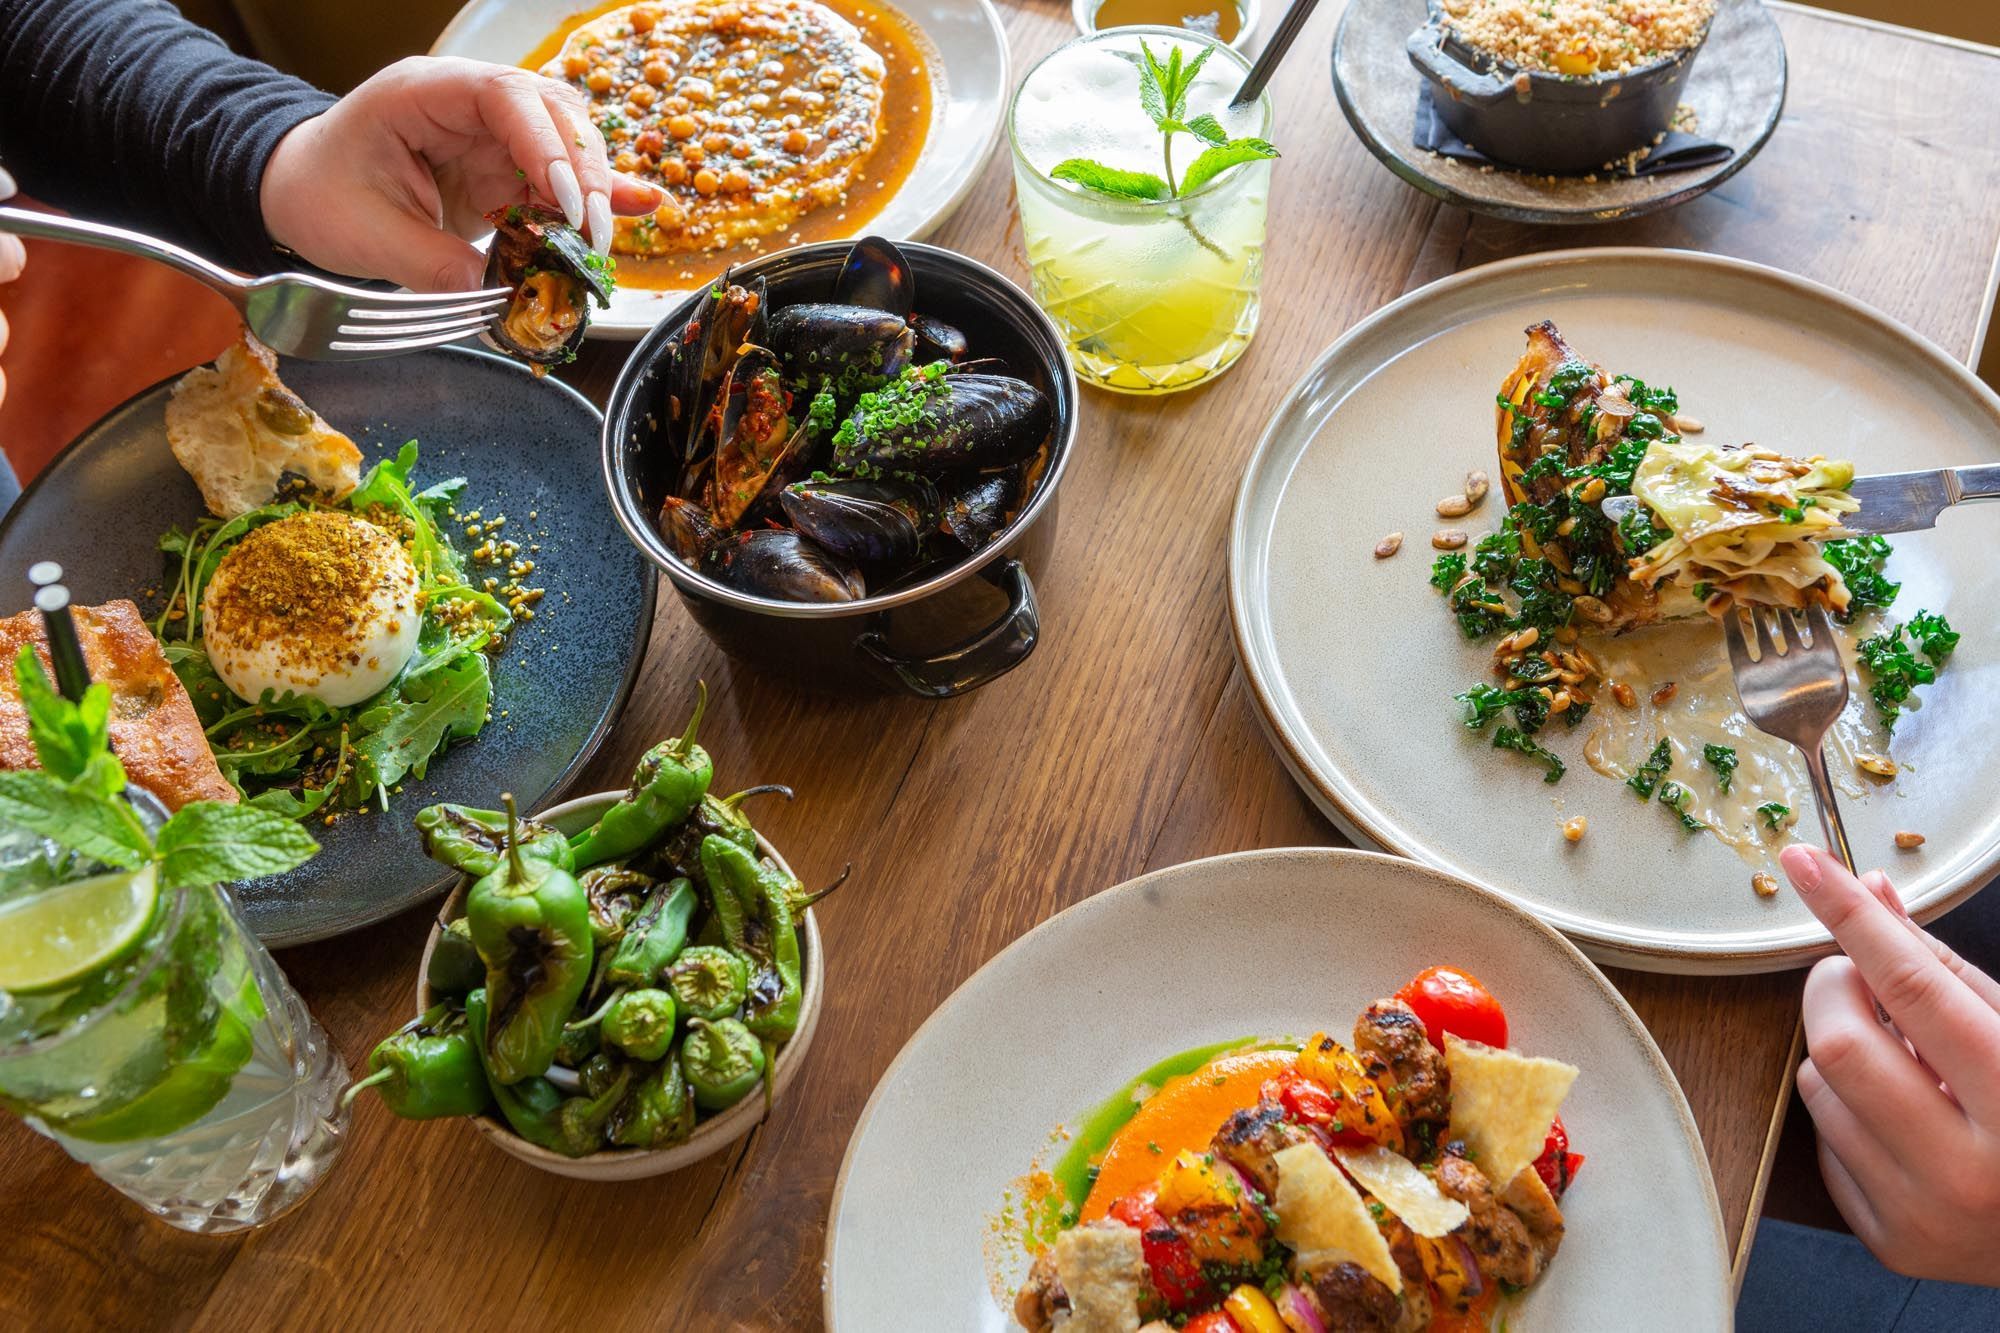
{"points": [[969, 420], [819, 341], [772, 562], [974, 513], [936, 340], [869, 522], [732, 314], [878, 275], [686, 527], [535, 252]]}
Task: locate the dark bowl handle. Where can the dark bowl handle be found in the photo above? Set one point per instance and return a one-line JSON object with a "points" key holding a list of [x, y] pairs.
{"points": [[991, 653], [1427, 53]]}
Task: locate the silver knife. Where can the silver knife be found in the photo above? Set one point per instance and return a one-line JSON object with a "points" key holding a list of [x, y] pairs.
{"points": [[1890, 501]]}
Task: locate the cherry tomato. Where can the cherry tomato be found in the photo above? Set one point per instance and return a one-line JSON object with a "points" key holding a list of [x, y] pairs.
{"points": [[1557, 1165], [1176, 1274], [1311, 1103], [1448, 1000], [1213, 1322]]}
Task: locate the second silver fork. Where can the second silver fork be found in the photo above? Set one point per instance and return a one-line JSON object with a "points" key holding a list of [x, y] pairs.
{"points": [[1794, 687]]}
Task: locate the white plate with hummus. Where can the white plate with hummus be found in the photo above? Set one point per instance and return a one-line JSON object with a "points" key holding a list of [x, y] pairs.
{"points": [[770, 123], [1355, 659]]}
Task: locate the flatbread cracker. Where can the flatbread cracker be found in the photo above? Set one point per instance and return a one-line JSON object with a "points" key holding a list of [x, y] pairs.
{"points": [[1502, 1104], [1405, 1191], [1103, 1271], [237, 429], [1324, 1220]]}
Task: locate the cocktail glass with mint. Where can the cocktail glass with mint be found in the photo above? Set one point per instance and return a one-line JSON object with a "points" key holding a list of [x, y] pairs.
{"points": [[142, 1026], [1143, 195]]}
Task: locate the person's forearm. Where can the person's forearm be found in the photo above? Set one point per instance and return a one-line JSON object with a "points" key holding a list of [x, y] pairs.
{"points": [[123, 111]]}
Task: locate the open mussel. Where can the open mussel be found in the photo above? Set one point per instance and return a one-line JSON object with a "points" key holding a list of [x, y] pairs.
{"points": [[930, 420], [773, 562], [554, 275], [754, 436], [729, 316], [688, 530], [974, 512], [936, 341], [870, 522]]}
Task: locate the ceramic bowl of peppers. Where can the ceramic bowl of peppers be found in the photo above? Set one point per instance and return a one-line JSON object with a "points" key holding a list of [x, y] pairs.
{"points": [[618, 987]]}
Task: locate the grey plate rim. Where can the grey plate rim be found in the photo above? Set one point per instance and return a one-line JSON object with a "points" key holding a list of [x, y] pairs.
{"points": [[1115, 896], [606, 720], [1407, 171], [1640, 950]]}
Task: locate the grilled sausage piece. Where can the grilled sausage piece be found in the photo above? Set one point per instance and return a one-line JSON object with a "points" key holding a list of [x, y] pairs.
{"points": [[1500, 1241], [1392, 1043], [1353, 1300], [1250, 1138]]}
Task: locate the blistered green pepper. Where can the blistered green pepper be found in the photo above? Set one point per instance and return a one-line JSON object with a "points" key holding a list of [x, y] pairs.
{"points": [[615, 895], [753, 900], [680, 853], [669, 783], [597, 1074], [427, 1069], [531, 925], [473, 841], [654, 938], [641, 1023], [722, 1061], [581, 1121], [530, 1105], [455, 967], [708, 981], [658, 1111], [579, 1042]]}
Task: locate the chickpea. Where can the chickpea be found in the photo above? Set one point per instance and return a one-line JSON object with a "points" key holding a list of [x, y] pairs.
{"points": [[673, 171], [657, 72], [641, 96], [643, 18], [713, 142], [626, 161], [599, 80], [674, 106], [768, 85], [650, 142], [693, 155], [1574, 828], [828, 78], [729, 80], [813, 100], [796, 141], [681, 127], [699, 91], [706, 181], [574, 64], [740, 149], [736, 180]]}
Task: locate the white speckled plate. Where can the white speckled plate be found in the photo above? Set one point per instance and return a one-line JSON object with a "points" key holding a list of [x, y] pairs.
{"points": [[1354, 662], [1050, 1028], [972, 82]]}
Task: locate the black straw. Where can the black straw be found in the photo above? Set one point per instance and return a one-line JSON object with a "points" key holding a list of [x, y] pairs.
{"points": [[65, 649], [1274, 51]]}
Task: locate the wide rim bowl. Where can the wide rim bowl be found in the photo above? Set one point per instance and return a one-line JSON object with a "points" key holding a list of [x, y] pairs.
{"points": [[629, 410], [710, 1136]]}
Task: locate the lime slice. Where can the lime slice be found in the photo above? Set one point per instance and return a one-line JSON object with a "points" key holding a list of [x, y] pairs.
{"points": [[191, 1089], [57, 937]]}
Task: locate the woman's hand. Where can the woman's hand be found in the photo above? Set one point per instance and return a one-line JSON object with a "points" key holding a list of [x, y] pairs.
{"points": [[13, 258], [1909, 1124], [390, 180]]}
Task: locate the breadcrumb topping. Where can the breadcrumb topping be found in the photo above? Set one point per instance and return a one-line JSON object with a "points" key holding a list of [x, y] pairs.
{"points": [[1580, 37]]}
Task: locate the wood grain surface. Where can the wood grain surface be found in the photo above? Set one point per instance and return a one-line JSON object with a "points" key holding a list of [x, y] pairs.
{"points": [[1126, 743]]}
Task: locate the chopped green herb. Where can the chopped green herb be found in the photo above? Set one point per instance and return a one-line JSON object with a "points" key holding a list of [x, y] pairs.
{"points": [[1897, 671], [1775, 814], [1934, 635], [1447, 570], [1859, 560], [1649, 774], [1506, 738], [1723, 760], [1678, 798], [1484, 702]]}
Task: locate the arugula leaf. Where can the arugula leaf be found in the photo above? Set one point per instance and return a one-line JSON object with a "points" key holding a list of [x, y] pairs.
{"points": [[1859, 560], [1722, 759], [1111, 180], [84, 819], [208, 842], [1221, 157], [1678, 798], [1506, 738], [1775, 814], [1649, 774], [397, 736]]}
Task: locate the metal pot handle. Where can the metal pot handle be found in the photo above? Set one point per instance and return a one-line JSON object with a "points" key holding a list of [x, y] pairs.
{"points": [[1427, 53], [988, 655]]}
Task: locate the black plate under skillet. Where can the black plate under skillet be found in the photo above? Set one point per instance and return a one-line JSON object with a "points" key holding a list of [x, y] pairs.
{"points": [[526, 447]]}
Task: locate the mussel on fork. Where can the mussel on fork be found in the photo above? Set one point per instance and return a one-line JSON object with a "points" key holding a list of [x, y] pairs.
{"points": [[554, 275], [823, 448]]}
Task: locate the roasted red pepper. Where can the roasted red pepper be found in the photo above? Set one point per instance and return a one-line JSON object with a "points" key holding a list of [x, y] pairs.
{"points": [[1309, 1102], [1176, 1274], [1557, 1165], [1213, 1322]]}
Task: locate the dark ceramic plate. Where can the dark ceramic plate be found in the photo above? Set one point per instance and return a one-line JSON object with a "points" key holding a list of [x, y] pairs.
{"points": [[524, 447], [1736, 88]]}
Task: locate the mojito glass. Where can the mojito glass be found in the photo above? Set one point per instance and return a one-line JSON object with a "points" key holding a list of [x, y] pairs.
{"points": [[1152, 296], [182, 1068]]}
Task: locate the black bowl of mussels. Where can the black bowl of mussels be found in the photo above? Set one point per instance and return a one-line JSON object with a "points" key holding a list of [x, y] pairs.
{"points": [[845, 457]]}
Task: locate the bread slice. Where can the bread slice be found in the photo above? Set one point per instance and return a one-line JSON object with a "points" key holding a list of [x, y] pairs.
{"points": [[236, 428]]}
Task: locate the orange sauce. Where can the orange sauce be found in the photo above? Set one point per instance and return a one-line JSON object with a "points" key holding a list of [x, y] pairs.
{"points": [[1220, 19], [908, 107]]}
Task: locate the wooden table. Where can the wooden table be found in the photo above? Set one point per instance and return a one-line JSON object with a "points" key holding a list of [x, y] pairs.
{"points": [[1125, 744]]}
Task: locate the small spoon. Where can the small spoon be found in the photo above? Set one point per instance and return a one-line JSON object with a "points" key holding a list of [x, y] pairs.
{"points": [[1274, 51]]}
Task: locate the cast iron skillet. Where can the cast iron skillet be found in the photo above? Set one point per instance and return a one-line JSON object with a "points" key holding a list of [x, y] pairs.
{"points": [[1546, 122]]}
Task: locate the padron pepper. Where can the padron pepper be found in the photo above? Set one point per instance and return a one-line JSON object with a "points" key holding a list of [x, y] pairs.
{"points": [[580, 1041], [473, 841], [753, 900], [455, 967], [641, 1023], [615, 895], [581, 1121], [708, 981], [530, 1105], [658, 1111], [680, 853], [654, 938], [531, 925], [669, 783], [722, 1060], [427, 1069]]}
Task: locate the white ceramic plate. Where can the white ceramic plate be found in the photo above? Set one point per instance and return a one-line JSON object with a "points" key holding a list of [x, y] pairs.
{"points": [[1354, 662], [972, 83], [1051, 1027]]}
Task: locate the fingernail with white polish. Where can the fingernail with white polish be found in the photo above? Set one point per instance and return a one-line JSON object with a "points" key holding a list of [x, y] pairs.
{"points": [[6, 184], [598, 209], [569, 198]]}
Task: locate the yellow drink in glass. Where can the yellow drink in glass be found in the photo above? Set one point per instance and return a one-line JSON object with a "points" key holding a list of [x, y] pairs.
{"points": [[1152, 296]]}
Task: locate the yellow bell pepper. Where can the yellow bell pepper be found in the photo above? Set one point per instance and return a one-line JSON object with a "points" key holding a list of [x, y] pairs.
{"points": [[1206, 1205], [1364, 1110], [1253, 1312]]}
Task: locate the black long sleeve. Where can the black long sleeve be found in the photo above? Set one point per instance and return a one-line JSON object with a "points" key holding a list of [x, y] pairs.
{"points": [[123, 111]]}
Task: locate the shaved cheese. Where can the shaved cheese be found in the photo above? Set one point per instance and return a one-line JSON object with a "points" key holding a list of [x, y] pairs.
{"points": [[1103, 1272], [1405, 1191], [1502, 1104], [1324, 1220]]}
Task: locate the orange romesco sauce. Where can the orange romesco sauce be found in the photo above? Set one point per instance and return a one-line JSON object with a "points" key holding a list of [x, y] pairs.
{"points": [[908, 106]]}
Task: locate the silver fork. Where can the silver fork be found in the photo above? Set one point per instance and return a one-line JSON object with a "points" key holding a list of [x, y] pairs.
{"points": [[1794, 689], [294, 314]]}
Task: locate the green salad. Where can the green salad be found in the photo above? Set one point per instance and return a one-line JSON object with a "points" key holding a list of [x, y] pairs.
{"points": [[291, 753]]}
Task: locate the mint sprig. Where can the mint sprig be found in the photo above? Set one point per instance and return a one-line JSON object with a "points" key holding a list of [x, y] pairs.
{"points": [[74, 800], [1163, 95]]}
